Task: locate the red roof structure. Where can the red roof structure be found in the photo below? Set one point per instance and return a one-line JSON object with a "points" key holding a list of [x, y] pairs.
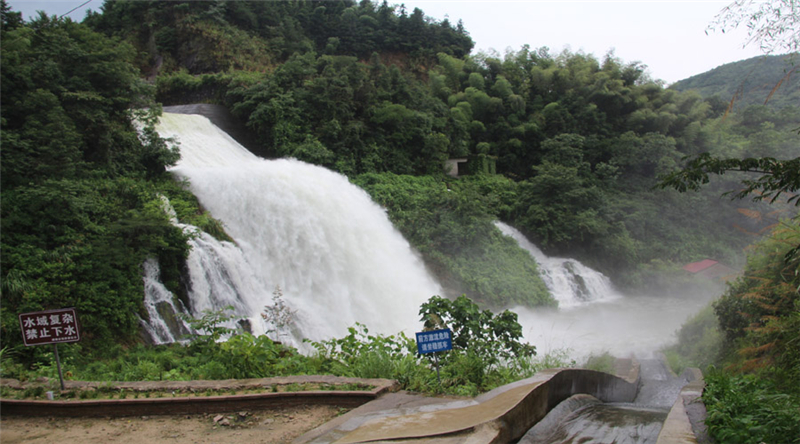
{"points": [[712, 270], [696, 267]]}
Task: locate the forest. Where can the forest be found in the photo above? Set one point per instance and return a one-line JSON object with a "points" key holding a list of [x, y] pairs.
{"points": [[575, 151]]}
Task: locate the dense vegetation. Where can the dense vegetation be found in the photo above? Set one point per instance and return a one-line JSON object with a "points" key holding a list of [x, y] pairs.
{"points": [[597, 132], [79, 183], [752, 333], [216, 37], [566, 147], [487, 352], [451, 225]]}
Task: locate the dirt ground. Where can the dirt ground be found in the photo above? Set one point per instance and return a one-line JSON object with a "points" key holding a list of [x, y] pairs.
{"points": [[267, 426]]}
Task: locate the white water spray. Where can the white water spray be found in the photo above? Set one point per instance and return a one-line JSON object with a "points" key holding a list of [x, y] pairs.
{"points": [[570, 282], [593, 317], [160, 305], [338, 260], [332, 251]]}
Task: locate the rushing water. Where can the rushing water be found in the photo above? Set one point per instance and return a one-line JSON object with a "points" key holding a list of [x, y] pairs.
{"points": [[333, 254], [584, 418], [298, 229], [160, 306], [570, 282], [593, 317]]}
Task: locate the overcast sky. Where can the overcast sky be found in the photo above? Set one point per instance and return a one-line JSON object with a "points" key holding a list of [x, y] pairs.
{"points": [[667, 36]]}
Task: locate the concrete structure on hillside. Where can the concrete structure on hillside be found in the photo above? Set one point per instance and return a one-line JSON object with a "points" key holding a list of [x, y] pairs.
{"points": [[454, 167], [499, 416], [712, 269]]}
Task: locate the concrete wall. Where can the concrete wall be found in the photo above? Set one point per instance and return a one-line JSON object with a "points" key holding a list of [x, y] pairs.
{"points": [[501, 415], [196, 403]]}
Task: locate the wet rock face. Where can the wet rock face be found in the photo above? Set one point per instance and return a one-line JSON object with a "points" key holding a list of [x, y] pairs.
{"points": [[174, 323]]}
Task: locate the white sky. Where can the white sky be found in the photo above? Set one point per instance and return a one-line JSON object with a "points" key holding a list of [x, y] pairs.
{"points": [[667, 36]]}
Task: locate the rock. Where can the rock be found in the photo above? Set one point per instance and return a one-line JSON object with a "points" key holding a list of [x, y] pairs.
{"points": [[218, 418]]}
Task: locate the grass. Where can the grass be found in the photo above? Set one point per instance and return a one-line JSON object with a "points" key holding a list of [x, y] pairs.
{"points": [[39, 392], [601, 363]]}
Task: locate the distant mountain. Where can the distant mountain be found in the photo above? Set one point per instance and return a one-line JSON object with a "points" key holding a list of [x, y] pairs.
{"points": [[750, 82]]}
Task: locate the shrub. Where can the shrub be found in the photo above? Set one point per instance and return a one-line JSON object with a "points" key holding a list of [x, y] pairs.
{"points": [[749, 409]]}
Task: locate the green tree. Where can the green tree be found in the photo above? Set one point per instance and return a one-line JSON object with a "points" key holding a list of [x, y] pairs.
{"points": [[558, 206], [492, 337], [482, 341], [9, 20], [773, 177], [59, 77], [81, 210]]}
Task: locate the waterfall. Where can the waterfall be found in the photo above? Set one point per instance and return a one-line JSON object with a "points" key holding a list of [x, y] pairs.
{"points": [[307, 231], [593, 317], [163, 326], [570, 282]]}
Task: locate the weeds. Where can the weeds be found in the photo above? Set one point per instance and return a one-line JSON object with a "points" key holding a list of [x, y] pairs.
{"points": [[358, 354], [600, 363], [747, 408]]}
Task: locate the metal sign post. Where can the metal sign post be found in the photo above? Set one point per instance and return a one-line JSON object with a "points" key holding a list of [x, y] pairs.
{"points": [[438, 376], [435, 341], [58, 364], [50, 327]]}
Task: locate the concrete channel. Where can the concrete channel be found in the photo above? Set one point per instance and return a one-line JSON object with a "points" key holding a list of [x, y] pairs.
{"points": [[507, 414]]}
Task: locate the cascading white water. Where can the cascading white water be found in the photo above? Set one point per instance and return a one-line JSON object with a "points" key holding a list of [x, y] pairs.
{"points": [[570, 282], [337, 259], [593, 317], [158, 303], [333, 252]]}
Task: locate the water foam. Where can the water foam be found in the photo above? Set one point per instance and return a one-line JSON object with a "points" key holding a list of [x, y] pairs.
{"points": [[333, 252]]}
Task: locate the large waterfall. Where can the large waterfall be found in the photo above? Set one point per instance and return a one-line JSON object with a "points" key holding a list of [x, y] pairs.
{"points": [[300, 230]]}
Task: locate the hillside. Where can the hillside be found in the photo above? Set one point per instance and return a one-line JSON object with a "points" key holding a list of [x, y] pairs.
{"points": [[770, 80]]}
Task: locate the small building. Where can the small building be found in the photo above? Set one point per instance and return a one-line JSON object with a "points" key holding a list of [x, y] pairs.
{"points": [[711, 269], [477, 164], [455, 167]]}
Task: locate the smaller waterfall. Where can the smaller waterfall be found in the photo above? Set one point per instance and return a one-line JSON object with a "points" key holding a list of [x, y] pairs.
{"points": [[219, 277], [593, 317], [570, 282], [164, 325]]}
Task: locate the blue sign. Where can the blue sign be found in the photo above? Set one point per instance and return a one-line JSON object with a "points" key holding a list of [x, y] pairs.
{"points": [[434, 341]]}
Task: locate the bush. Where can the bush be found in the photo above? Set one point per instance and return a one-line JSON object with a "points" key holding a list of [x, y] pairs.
{"points": [[601, 363], [450, 222], [699, 342], [749, 409]]}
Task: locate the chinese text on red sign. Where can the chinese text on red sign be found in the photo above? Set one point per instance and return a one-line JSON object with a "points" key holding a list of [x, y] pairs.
{"points": [[50, 327]]}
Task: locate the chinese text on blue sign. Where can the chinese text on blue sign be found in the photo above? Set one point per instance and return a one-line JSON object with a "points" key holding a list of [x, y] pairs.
{"points": [[50, 327], [434, 341]]}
